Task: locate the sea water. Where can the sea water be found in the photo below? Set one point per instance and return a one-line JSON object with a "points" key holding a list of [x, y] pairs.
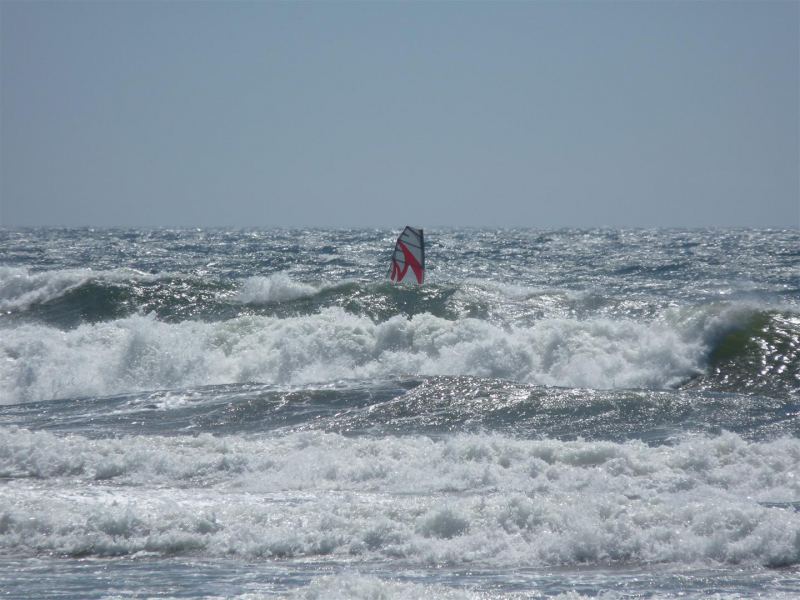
{"points": [[259, 413]]}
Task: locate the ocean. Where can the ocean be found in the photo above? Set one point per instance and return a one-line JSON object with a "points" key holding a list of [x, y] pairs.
{"points": [[211, 413]]}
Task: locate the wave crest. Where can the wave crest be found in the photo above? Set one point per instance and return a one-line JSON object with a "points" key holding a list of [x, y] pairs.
{"points": [[142, 353], [273, 288], [20, 289]]}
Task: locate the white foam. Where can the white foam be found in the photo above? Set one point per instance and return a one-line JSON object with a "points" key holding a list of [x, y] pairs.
{"points": [[353, 586], [142, 353], [486, 499], [274, 288]]}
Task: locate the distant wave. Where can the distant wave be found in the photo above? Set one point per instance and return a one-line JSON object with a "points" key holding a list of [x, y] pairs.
{"points": [[21, 288], [69, 297], [273, 288]]}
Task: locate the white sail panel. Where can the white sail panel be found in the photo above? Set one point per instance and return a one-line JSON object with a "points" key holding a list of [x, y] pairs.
{"points": [[408, 258]]}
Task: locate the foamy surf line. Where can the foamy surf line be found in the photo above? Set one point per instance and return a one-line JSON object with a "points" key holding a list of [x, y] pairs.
{"points": [[486, 499], [141, 353]]}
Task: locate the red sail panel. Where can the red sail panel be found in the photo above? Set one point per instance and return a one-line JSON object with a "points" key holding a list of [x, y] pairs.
{"points": [[408, 258]]}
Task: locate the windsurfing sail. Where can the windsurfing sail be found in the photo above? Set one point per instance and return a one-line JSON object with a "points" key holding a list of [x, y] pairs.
{"points": [[408, 257]]}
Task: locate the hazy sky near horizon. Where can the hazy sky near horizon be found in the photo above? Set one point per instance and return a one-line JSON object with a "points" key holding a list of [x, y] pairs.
{"points": [[535, 114]]}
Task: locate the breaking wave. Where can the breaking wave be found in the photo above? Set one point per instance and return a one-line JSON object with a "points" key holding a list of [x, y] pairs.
{"points": [[144, 353], [275, 288], [20, 289], [760, 355]]}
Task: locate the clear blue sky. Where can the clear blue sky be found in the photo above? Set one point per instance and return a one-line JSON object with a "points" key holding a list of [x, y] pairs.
{"points": [[537, 114]]}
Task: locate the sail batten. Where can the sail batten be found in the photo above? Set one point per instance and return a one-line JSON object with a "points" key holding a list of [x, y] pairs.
{"points": [[408, 257]]}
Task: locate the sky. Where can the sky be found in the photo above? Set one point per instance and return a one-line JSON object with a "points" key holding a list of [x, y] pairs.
{"points": [[534, 114]]}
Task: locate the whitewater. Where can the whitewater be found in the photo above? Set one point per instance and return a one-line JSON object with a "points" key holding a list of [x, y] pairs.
{"points": [[261, 414]]}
